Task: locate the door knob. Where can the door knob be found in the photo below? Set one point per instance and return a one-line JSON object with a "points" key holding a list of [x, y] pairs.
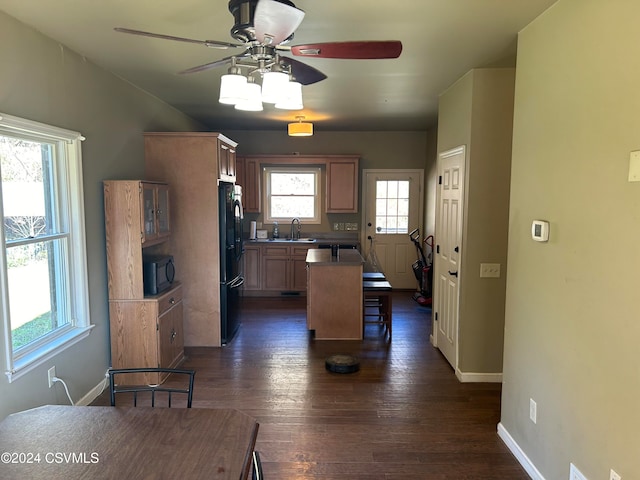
{"points": [[453, 274]]}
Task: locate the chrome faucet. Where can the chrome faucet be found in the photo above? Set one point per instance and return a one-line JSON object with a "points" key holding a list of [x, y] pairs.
{"points": [[296, 235]]}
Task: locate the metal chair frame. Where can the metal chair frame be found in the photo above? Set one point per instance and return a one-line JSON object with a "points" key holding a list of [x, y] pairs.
{"points": [[135, 389]]}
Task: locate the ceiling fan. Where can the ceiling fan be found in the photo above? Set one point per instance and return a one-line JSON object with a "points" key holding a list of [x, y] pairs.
{"points": [[263, 28]]}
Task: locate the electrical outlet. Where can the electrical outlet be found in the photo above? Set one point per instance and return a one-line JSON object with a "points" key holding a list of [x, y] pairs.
{"points": [[575, 474], [490, 270], [50, 374], [614, 476], [533, 410]]}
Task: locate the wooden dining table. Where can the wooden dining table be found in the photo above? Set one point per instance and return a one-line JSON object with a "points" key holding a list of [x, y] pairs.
{"points": [[64, 442]]}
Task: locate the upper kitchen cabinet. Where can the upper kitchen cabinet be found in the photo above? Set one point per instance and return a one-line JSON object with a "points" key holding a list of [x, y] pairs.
{"points": [[248, 177], [155, 212], [342, 185], [342, 176], [226, 160]]}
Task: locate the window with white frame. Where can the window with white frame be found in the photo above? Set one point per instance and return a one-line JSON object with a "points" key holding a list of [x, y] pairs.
{"points": [[392, 206], [43, 273], [292, 192]]}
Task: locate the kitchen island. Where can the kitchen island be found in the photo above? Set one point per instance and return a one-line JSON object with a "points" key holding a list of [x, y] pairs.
{"points": [[334, 294]]}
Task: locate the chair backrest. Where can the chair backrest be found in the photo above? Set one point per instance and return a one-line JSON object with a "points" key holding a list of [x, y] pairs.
{"points": [[179, 382]]}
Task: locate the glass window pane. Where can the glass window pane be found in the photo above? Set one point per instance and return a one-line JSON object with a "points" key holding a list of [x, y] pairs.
{"points": [[26, 188], [381, 189], [403, 207], [288, 207], [36, 289], [392, 206], [292, 183]]}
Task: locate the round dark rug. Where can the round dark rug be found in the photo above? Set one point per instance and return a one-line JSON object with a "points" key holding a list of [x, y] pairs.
{"points": [[341, 363]]}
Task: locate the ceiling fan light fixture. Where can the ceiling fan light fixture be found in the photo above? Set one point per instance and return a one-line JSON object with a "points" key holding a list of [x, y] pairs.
{"points": [[252, 101], [300, 128], [293, 100], [274, 87], [232, 88]]}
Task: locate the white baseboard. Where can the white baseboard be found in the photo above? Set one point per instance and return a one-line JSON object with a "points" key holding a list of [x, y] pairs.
{"points": [[93, 393], [519, 453], [466, 377]]}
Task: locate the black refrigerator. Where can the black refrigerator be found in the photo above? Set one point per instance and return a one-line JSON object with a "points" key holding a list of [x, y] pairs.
{"points": [[231, 249]]}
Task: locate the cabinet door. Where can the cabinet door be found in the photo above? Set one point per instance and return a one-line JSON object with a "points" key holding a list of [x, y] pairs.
{"points": [[252, 179], [148, 212], [342, 186], [170, 339], [226, 162], [275, 273], [162, 210], [299, 268], [252, 280]]}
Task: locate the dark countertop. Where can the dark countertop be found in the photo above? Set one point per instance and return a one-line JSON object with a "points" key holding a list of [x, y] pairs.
{"points": [[346, 257]]}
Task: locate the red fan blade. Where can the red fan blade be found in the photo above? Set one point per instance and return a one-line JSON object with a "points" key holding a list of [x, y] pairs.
{"points": [[206, 43], [350, 50], [303, 73], [274, 22]]}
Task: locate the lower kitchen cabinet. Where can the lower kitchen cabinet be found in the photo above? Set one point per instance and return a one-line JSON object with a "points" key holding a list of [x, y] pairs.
{"points": [[282, 268], [147, 333], [252, 278]]}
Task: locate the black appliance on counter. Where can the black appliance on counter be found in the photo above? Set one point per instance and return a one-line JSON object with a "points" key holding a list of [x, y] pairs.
{"points": [[231, 250]]}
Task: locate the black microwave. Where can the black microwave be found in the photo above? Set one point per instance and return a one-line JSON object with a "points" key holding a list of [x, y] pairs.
{"points": [[158, 273]]}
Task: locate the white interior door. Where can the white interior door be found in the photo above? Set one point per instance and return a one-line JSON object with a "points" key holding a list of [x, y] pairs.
{"points": [[448, 235], [392, 207]]}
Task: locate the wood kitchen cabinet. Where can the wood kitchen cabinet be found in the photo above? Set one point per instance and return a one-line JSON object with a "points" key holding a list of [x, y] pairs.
{"points": [[251, 258], [226, 162], [145, 331], [248, 176], [194, 163], [284, 268], [342, 185], [342, 179]]}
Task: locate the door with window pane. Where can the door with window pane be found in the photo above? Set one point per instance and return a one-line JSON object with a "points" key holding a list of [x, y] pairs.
{"points": [[392, 207]]}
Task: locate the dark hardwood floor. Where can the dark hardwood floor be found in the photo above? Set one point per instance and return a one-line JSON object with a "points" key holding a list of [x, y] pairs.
{"points": [[404, 415]]}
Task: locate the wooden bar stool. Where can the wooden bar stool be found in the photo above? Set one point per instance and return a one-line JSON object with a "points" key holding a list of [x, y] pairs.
{"points": [[377, 296]]}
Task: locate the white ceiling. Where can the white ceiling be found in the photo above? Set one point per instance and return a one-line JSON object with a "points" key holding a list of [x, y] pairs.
{"points": [[442, 40]]}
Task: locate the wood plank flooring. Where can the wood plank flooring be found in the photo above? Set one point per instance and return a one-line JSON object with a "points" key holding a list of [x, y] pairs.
{"points": [[404, 415]]}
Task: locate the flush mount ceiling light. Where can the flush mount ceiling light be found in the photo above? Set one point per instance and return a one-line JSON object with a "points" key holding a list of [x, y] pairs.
{"points": [[300, 128]]}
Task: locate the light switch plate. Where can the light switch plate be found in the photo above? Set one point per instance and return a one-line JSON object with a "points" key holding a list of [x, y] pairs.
{"points": [[489, 270], [634, 166]]}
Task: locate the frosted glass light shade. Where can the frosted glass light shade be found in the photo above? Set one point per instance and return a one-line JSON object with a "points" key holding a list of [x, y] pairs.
{"points": [[252, 101], [300, 129], [293, 100], [232, 88], [274, 87]]}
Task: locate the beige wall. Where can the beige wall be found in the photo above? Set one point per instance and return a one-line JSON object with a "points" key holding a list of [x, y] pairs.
{"points": [[572, 335], [42, 81], [477, 112], [394, 150]]}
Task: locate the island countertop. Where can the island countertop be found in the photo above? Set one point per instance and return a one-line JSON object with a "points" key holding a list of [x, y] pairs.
{"points": [[322, 256]]}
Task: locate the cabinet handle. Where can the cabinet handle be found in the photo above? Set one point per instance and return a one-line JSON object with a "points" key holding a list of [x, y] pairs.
{"points": [[173, 335], [172, 301]]}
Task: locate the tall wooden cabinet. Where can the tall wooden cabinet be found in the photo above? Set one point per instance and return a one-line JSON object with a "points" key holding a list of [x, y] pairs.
{"points": [[145, 331], [193, 163]]}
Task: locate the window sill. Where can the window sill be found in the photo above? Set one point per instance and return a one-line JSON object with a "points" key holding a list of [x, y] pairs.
{"points": [[36, 358]]}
